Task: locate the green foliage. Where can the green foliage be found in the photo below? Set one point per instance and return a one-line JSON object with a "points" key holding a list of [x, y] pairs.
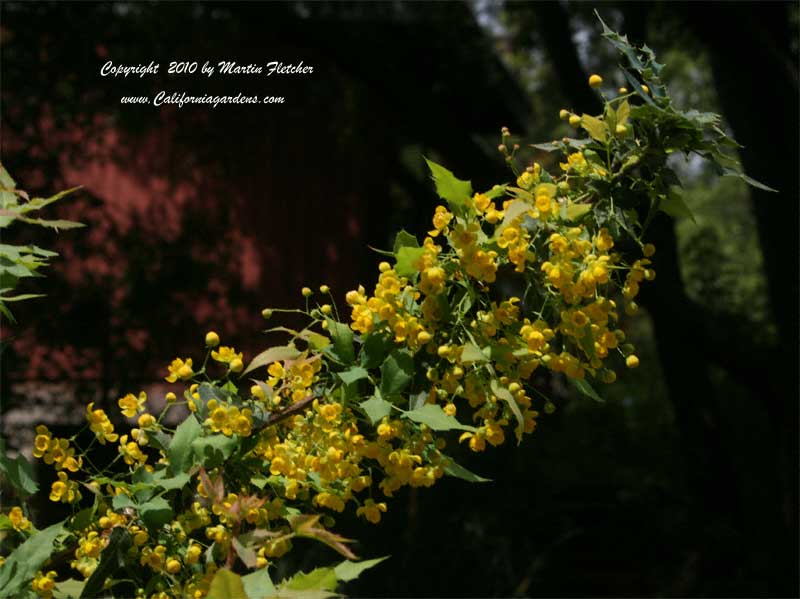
{"points": [[23, 261], [21, 566]]}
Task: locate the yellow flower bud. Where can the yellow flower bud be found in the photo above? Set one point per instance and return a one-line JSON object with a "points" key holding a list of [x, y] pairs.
{"points": [[621, 130], [649, 249], [623, 90], [574, 120], [325, 309], [595, 81], [646, 89], [324, 289], [266, 313], [306, 292], [563, 114], [173, 566], [632, 361], [424, 337], [236, 365], [170, 397], [212, 339]]}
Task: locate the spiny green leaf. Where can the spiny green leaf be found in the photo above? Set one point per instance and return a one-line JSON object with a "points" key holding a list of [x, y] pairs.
{"points": [[450, 188], [226, 585], [347, 570], [323, 579], [258, 585]]}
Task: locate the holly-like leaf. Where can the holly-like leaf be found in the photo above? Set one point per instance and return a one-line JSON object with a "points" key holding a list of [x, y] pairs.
{"points": [[455, 191], [347, 570], [258, 585], [226, 585]]}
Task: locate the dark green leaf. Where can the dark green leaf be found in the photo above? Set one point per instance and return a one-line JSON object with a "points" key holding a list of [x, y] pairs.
{"points": [[342, 337], [396, 372], [353, 374], [404, 239], [180, 452], [112, 559], [376, 407], [213, 450], [458, 471], [156, 512], [374, 350], [585, 388]]}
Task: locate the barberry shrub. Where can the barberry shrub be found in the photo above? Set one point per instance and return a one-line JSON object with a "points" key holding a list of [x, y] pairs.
{"points": [[533, 274]]}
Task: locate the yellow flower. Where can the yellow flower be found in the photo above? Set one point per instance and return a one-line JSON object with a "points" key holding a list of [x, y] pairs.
{"points": [[180, 369], [371, 510], [100, 424], [226, 355], [131, 405], [595, 81], [18, 519], [43, 584]]}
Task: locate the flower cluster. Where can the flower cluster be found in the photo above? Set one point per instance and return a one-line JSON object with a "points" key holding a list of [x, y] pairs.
{"points": [[523, 282]]}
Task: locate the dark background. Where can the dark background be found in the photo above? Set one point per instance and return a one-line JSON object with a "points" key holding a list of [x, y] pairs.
{"points": [[684, 483]]}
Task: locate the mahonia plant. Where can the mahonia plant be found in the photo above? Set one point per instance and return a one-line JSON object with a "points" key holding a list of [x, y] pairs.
{"points": [[530, 275]]}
